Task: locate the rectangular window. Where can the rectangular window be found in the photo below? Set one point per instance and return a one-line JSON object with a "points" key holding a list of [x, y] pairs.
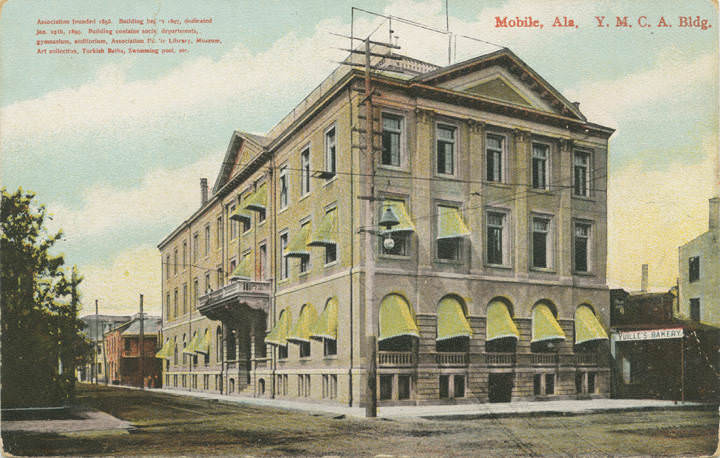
{"points": [[305, 172], [495, 227], [391, 137], [127, 344], [175, 261], [459, 381], [175, 302], [386, 387], [195, 247], [330, 253], [537, 384], [399, 246], [694, 268], [444, 386], [233, 223], [184, 255], [207, 239], [329, 347], [539, 166], [304, 260], [218, 232], [184, 304], [283, 352], [540, 230], [591, 382], [284, 263], [167, 267], [196, 288], [263, 261], [283, 187], [445, 149], [219, 277], [307, 385], [447, 249], [581, 172], [494, 157], [404, 386], [695, 309], [582, 246], [304, 349], [167, 306], [330, 152], [549, 383], [207, 282]]}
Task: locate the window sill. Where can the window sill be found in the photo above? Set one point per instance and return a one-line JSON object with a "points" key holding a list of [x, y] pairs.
{"points": [[330, 357], [585, 198], [283, 281], [398, 257], [304, 196], [498, 266], [546, 191], [304, 274], [457, 262], [498, 184], [305, 358], [447, 176], [282, 210], [331, 264], [584, 274], [261, 223], [545, 270], [394, 168], [330, 181]]}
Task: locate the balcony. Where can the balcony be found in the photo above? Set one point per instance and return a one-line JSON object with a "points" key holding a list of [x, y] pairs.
{"points": [[586, 359], [451, 359], [396, 359], [218, 304], [544, 359], [500, 359]]}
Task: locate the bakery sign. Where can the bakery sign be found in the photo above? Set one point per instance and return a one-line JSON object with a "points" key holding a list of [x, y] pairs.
{"points": [[650, 334]]}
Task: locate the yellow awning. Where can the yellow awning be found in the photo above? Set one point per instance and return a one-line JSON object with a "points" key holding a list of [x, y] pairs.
{"points": [[544, 325], [166, 351], [298, 243], [451, 224], [240, 215], [499, 322], [278, 334], [326, 232], [190, 348], [451, 321], [326, 325], [258, 200], [396, 318], [587, 326], [398, 206], [203, 343], [301, 330], [244, 270]]}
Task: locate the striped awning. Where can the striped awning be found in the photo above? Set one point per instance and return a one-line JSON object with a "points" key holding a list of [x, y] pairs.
{"points": [[544, 325], [451, 224], [279, 333], [203, 343], [451, 321], [499, 322], [587, 326], [244, 270], [398, 207], [297, 246], [326, 232], [325, 327], [258, 200], [396, 318], [301, 331], [166, 351]]}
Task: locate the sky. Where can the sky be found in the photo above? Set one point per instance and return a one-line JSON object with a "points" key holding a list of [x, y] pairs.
{"points": [[115, 145]]}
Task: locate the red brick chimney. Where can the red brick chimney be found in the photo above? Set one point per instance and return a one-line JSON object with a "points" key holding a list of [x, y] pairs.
{"points": [[203, 191]]}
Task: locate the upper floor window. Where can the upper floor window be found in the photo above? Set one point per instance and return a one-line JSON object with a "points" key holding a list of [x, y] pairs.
{"points": [[219, 277], [283, 187], [391, 138], [581, 246], [304, 260], [195, 246], [263, 260], [196, 292], [496, 234], [167, 267], [175, 261], [445, 136], [185, 298], [581, 172], [184, 255], [233, 223], [207, 282], [330, 152], [167, 306], [695, 309], [694, 268], [175, 302], [305, 172], [218, 232], [494, 149], [540, 157], [540, 242], [450, 230], [284, 263], [207, 239]]}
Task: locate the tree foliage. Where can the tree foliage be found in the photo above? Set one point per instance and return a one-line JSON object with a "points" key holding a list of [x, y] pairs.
{"points": [[41, 338]]}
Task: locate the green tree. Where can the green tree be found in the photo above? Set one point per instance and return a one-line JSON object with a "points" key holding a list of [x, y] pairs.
{"points": [[41, 339]]}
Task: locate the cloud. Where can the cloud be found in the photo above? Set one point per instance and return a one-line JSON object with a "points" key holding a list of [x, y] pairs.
{"points": [[652, 212], [118, 286], [163, 198]]}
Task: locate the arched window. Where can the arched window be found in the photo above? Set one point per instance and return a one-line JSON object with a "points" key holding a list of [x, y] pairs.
{"points": [[546, 331], [183, 347], [501, 333], [453, 329], [218, 343], [175, 351], [398, 330], [589, 332]]}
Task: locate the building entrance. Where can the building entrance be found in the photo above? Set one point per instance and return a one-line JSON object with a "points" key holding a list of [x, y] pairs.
{"points": [[500, 387]]}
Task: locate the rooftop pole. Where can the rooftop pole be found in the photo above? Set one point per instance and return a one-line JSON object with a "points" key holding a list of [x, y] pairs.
{"points": [[97, 342], [142, 345]]}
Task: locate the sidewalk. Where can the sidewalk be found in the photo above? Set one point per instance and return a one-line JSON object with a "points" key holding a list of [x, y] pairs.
{"points": [[82, 420], [452, 412]]}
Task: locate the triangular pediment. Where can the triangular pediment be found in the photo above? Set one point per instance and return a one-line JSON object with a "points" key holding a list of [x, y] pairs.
{"points": [[243, 148], [502, 76]]}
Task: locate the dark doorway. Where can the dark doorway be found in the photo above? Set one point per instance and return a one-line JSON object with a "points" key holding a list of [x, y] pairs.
{"points": [[500, 387]]}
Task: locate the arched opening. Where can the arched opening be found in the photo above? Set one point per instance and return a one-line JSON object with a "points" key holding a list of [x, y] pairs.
{"points": [[546, 331], [501, 333], [398, 330], [232, 385], [261, 386], [206, 343], [184, 344], [230, 344], [175, 351], [453, 328], [218, 343], [589, 332]]}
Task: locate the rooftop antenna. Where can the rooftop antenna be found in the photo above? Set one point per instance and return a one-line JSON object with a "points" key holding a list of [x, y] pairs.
{"points": [[447, 29]]}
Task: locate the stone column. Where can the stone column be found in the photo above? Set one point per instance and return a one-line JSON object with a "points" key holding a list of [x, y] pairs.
{"points": [[421, 198], [521, 178], [563, 223], [474, 209]]}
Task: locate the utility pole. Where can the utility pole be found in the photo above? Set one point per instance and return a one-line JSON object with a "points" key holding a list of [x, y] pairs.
{"points": [[97, 342], [142, 345]]}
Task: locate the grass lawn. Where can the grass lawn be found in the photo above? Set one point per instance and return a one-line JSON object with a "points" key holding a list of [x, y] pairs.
{"points": [[174, 425]]}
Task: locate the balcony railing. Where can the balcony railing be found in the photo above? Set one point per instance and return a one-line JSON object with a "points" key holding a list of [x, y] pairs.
{"points": [[451, 359], [586, 359], [500, 359], [256, 292], [543, 359], [396, 358]]}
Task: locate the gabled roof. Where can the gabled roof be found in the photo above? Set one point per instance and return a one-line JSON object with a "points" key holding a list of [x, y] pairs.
{"points": [[254, 142], [152, 325], [505, 58]]}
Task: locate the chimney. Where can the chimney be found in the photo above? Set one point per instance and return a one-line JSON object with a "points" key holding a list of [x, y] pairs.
{"points": [[576, 105], [714, 223], [203, 191], [644, 280]]}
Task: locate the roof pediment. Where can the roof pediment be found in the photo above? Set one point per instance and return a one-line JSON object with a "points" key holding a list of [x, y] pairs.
{"points": [[502, 77], [243, 148]]}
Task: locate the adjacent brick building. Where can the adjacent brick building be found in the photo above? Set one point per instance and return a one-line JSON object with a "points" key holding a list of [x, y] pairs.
{"points": [[124, 352]]}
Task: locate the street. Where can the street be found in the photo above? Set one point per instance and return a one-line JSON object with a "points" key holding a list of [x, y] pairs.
{"points": [[175, 425]]}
